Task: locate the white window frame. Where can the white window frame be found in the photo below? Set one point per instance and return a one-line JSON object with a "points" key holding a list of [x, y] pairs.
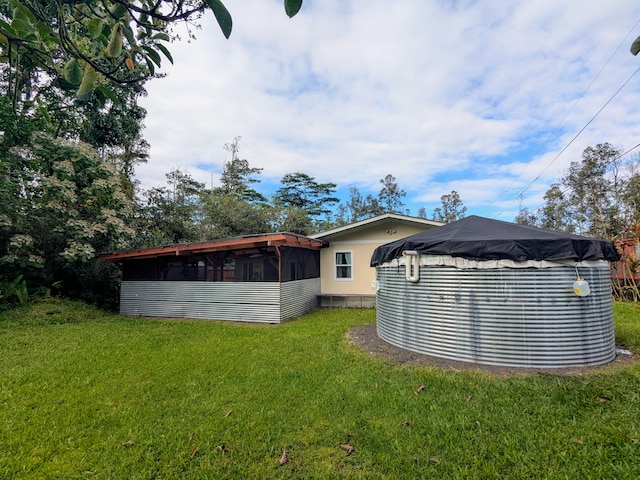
{"points": [[336, 266]]}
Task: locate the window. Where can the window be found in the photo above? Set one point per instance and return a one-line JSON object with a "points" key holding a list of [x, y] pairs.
{"points": [[344, 268]]}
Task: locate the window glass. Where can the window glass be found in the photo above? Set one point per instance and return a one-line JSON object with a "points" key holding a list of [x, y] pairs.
{"points": [[343, 265]]}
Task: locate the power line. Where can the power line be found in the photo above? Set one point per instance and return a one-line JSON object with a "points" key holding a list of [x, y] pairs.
{"points": [[570, 142], [624, 40], [605, 166]]}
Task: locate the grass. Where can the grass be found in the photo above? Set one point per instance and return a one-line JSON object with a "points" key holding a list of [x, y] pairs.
{"points": [[85, 394]]}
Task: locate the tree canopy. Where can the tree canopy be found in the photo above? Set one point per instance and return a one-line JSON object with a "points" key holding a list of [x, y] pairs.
{"points": [[82, 43], [452, 208], [597, 196]]}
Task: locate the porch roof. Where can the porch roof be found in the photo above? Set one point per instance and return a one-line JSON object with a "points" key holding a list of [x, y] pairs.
{"points": [[222, 245]]}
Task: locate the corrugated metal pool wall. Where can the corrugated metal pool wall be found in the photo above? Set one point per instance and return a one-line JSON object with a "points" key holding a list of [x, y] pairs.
{"points": [[264, 302], [511, 317]]}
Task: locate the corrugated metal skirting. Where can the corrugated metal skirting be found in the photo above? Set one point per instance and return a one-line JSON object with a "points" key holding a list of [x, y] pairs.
{"points": [[511, 317], [267, 302]]}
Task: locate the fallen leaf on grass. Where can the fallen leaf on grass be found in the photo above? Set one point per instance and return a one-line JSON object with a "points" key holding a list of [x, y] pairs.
{"points": [[404, 424], [420, 388], [227, 414], [194, 450], [433, 460], [578, 441], [469, 397], [128, 443], [604, 399], [193, 434], [347, 448], [223, 448], [283, 459], [634, 441]]}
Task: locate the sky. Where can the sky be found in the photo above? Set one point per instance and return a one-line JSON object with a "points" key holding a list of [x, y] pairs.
{"points": [[489, 98]]}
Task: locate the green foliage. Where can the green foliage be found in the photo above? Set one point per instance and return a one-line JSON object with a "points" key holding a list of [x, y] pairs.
{"points": [[117, 40], [292, 7], [452, 208], [223, 17], [226, 216], [13, 293], [171, 213], [85, 394], [598, 196], [358, 207], [302, 192], [66, 204], [635, 46], [390, 196], [237, 175]]}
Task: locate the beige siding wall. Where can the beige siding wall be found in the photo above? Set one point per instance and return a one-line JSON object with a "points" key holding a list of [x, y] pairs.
{"points": [[361, 244]]}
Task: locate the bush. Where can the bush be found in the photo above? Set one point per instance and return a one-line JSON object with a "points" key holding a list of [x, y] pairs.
{"points": [[13, 293]]}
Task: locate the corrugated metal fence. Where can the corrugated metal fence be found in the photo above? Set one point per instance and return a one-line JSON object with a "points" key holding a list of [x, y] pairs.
{"points": [[269, 302], [512, 317]]}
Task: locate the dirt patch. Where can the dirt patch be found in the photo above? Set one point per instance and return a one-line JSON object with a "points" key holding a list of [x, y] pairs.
{"points": [[366, 337]]}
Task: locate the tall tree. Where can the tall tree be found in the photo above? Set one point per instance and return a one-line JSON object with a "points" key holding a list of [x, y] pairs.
{"points": [[526, 217], [590, 191], [237, 175], [301, 191], [556, 214], [226, 216], [452, 208], [358, 207], [171, 213], [391, 195]]}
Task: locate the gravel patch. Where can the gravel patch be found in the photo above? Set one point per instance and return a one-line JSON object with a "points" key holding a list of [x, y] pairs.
{"points": [[366, 338]]}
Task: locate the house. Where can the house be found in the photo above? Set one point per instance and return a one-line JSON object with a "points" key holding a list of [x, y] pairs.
{"points": [[259, 278], [345, 272], [256, 278]]}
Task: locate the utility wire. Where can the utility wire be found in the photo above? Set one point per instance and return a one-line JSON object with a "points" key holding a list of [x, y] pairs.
{"points": [[557, 127], [605, 165], [570, 142]]}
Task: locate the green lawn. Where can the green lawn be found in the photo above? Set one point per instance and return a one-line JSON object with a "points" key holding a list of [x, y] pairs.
{"points": [[85, 394]]}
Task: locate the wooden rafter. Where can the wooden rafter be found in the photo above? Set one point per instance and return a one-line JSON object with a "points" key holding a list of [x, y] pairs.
{"points": [[224, 245]]}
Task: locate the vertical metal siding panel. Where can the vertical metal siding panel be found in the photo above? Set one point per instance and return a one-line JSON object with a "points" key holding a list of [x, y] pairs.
{"points": [[511, 317], [298, 297], [241, 301]]}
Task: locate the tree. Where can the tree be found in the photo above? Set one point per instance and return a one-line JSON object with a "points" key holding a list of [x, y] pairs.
{"points": [[172, 213], [590, 191], [555, 213], [237, 175], [390, 196], [358, 207], [226, 216], [301, 191], [83, 42], [61, 205], [452, 208], [525, 217], [115, 129], [631, 199], [294, 220]]}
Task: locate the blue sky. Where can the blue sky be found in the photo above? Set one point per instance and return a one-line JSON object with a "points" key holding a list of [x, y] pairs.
{"points": [[473, 96]]}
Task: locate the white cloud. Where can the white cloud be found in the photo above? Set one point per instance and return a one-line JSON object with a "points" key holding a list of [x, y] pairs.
{"points": [[444, 95]]}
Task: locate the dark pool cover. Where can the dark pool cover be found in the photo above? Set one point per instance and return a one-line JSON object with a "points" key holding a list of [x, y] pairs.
{"points": [[482, 238]]}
